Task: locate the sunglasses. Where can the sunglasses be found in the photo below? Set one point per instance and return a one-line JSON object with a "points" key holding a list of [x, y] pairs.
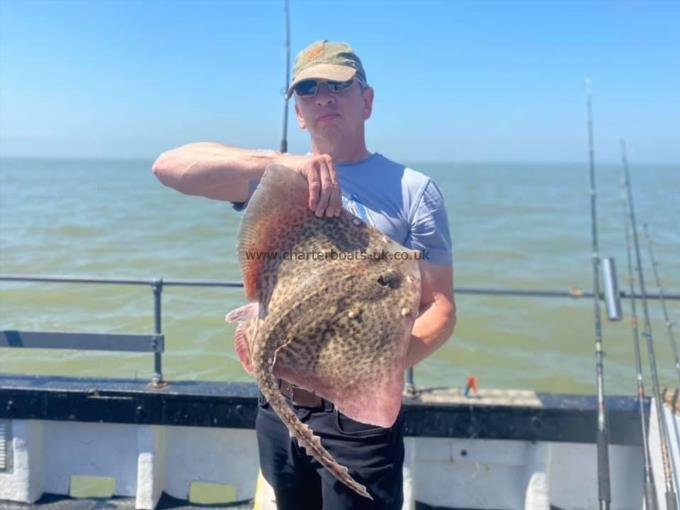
{"points": [[309, 88]]}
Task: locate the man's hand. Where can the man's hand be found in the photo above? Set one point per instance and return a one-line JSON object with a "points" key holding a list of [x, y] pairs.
{"points": [[325, 197]]}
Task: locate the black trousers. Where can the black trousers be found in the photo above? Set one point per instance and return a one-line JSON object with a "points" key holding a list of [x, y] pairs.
{"points": [[374, 456]]}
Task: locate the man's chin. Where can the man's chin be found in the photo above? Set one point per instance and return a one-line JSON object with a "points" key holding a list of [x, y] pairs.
{"points": [[327, 124], [328, 131]]}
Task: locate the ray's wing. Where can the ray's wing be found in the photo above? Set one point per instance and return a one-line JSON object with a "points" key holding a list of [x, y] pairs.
{"points": [[274, 211]]}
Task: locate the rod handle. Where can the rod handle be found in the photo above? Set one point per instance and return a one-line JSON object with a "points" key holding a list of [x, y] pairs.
{"points": [[650, 496]]}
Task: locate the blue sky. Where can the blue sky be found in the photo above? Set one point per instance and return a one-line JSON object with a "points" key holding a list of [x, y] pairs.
{"points": [[454, 80]]}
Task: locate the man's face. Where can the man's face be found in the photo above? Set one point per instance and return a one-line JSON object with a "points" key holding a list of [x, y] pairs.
{"points": [[332, 114]]}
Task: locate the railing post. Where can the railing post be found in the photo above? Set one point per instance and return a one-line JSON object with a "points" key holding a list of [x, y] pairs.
{"points": [[157, 286], [410, 388]]}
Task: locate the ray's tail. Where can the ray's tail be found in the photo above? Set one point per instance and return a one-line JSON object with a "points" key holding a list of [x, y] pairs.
{"points": [[305, 436]]}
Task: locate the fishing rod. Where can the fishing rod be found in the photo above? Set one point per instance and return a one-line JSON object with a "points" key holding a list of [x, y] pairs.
{"points": [[651, 502], [671, 500], [667, 320], [671, 339], [603, 480], [284, 136]]}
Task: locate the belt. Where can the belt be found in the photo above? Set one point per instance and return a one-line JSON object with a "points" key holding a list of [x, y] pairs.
{"points": [[300, 397]]}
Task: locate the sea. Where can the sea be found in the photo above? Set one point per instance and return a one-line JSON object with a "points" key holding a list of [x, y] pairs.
{"points": [[513, 225]]}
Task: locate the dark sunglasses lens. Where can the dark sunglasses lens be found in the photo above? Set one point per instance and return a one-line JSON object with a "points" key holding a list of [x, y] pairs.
{"points": [[306, 88], [337, 86]]}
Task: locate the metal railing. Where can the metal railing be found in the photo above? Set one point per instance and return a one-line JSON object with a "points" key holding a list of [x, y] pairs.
{"points": [[155, 342]]}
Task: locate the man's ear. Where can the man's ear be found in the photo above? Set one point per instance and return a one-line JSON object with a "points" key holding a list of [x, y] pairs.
{"points": [[300, 118], [368, 96]]}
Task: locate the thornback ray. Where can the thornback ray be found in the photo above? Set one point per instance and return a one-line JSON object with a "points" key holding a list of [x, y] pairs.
{"points": [[332, 304]]}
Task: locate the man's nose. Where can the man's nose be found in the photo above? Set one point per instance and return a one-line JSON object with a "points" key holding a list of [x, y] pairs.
{"points": [[323, 96]]}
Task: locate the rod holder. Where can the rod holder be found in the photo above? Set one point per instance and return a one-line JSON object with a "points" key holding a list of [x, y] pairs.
{"points": [[410, 387], [612, 296], [157, 287]]}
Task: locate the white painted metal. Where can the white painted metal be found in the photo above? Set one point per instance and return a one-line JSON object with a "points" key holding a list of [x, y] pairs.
{"points": [[468, 473], [410, 496], [4, 445], [573, 476], [537, 494], [23, 483], [150, 466], [89, 449], [226, 456]]}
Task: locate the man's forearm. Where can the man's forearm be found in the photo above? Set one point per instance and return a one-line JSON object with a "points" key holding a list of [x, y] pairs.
{"points": [[223, 172], [213, 170], [430, 330]]}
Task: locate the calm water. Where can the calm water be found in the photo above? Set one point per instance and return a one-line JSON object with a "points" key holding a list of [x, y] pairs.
{"points": [[513, 225]]}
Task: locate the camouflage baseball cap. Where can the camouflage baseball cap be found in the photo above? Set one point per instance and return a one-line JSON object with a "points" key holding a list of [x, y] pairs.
{"points": [[327, 60]]}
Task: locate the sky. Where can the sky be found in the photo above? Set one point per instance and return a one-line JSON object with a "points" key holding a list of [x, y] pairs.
{"points": [[454, 80]]}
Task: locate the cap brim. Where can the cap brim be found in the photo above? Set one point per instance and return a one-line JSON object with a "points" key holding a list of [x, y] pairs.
{"points": [[323, 72]]}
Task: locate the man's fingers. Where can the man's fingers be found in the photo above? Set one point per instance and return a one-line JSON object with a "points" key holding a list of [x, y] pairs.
{"points": [[327, 187], [314, 181], [332, 174], [335, 204]]}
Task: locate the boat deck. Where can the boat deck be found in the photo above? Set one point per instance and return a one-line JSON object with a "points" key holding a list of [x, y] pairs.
{"points": [[54, 502]]}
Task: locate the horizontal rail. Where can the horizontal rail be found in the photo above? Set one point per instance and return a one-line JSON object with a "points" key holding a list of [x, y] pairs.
{"points": [[573, 293], [89, 341], [121, 281]]}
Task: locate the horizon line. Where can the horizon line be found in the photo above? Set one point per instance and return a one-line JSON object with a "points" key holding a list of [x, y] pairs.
{"points": [[418, 161]]}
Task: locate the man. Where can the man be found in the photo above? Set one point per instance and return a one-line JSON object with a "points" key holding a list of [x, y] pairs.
{"points": [[332, 101]]}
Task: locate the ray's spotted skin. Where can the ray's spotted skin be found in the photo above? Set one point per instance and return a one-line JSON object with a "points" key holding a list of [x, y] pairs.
{"points": [[338, 326]]}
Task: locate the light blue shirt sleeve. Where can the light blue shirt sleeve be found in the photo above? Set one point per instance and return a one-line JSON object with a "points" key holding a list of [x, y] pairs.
{"points": [[430, 228]]}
